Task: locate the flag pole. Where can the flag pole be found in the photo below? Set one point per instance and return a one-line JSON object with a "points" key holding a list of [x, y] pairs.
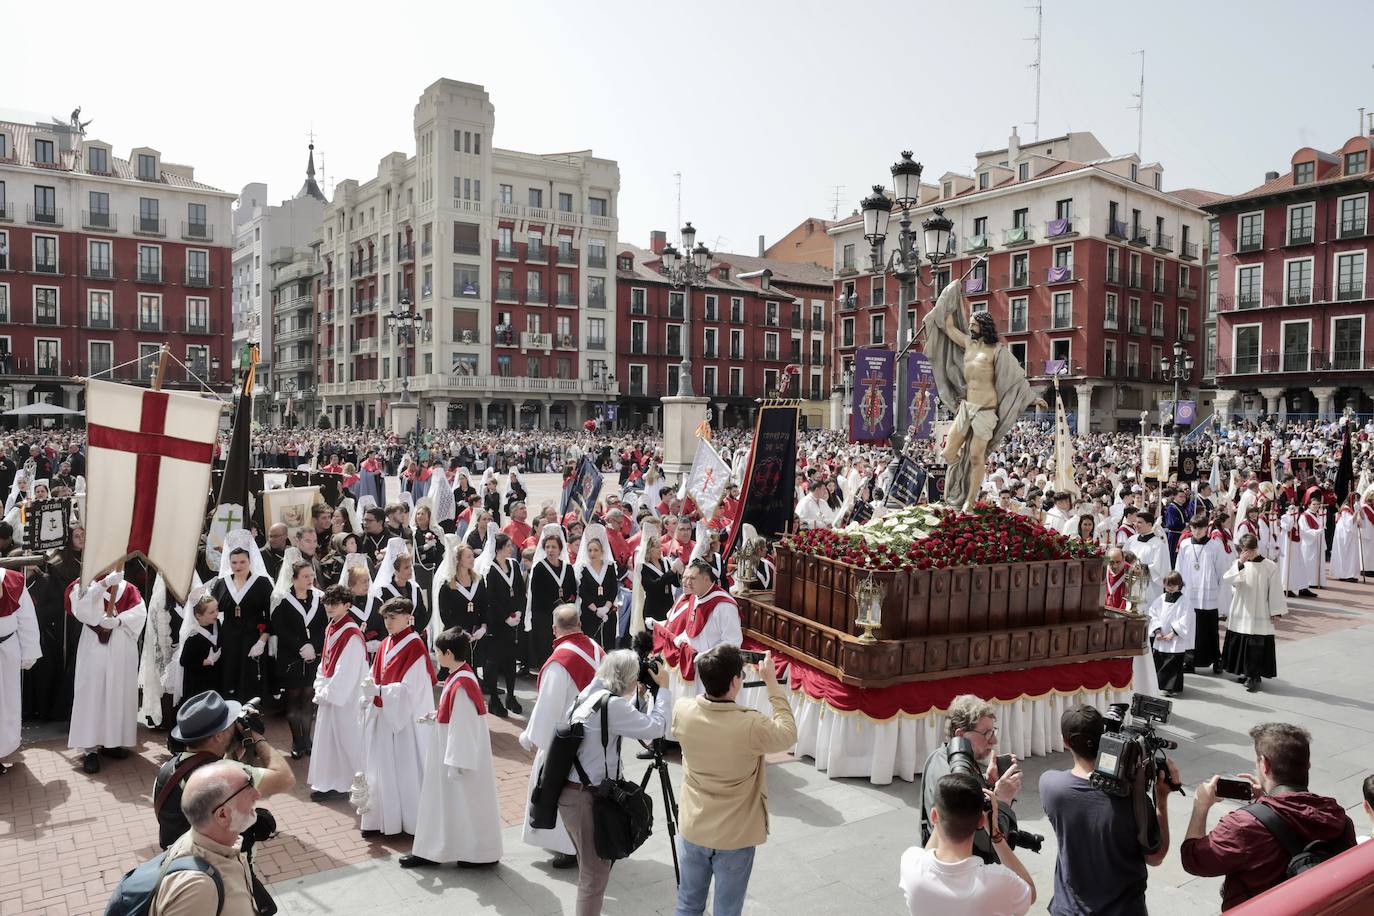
{"points": [[161, 372]]}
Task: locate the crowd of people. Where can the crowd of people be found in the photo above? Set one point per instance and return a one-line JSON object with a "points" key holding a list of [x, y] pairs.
{"points": [[386, 630]]}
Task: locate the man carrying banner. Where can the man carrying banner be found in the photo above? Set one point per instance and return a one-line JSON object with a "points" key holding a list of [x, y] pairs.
{"points": [[18, 651], [105, 711]]}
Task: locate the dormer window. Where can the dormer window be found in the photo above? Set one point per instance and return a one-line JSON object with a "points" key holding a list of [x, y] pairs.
{"points": [[98, 160], [725, 273], [4, 146], [1135, 172], [147, 167], [43, 152], [625, 262], [982, 180], [1023, 171], [1159, 180], [1304, 172], [1356, 162]]}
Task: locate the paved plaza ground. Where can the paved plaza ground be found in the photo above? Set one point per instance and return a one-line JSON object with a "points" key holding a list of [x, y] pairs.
{"points": [[66, 837]]}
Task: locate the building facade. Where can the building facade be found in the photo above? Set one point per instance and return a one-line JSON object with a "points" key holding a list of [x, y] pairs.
{"points": [[755, 318], [504, 255], [807, 243], [102, 261], [1295, 307], [296, 283], [259, 231], [1088, 261]]}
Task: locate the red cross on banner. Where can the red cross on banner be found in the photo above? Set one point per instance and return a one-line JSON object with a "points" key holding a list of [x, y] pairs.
{"points": [[146, 487]]}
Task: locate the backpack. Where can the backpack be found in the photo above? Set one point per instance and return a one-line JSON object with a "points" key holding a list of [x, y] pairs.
{"points": [[1301, 857], [558, 764], [134, 894]]}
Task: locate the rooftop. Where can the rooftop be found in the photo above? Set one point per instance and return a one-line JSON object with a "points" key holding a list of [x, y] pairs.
{"points": [[69, 161]]}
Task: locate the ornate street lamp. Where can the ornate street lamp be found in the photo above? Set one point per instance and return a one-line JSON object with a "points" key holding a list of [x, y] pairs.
{"points": [[686, 269], [1179, 369], [406, 322]]}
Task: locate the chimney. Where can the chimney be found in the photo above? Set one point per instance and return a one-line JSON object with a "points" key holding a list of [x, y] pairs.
{"points": [[761, 246], [1013, 146], [658, 240], [1270, 176]]}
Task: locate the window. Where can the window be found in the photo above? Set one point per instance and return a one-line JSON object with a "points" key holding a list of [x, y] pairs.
{"points": [[197, 267], [877, 287], [98, 259], [596, 206], [98, 160], [1109, 358], [1209, 352], [708, 380], [1063, 310], [1022, 171], [875, 329], [466, 280], [596, 292], [1183, 321], [101, 357], [736, 381], [770, 314], [596, 253], [982, 180], [45, 305], [674, 339], [1063, 257], [1350, 276], [1020, 219], [1063, 209], [848, 261], [1213, 239], [637, 379], [625, 262], [1212, 292], [47, 356], [638, 301], [45, 254], [476, 143], [506, 194], [147, 167], [736, 344], [1298, 284], [1157, 316], [98, 309], [536, 197], [1248, 286], [1132, 360], [1133, 306], [675, 304], [44, 204], [149, 312], [1109, 312], [198, 315], [564, 202], [846, 333], [1352, 216], [43, 152], [1018, 350], [1300, 220], [1135, 171], [1016, 311], [1347, 343], [1355, 162], [1296, 336], [1020, 270], [99, 214], [596, 333], [503, 365], [1062, 349], [712, 308], [148, 215], [1304, 172], [195, 220], [1247, 349]]}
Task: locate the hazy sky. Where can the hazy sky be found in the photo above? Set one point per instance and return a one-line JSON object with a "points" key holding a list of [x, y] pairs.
{"points": [[762, 106]]}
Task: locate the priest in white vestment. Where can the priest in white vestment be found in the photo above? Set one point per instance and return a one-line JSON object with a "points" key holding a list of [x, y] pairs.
{"points": [[399, 694], [1201, 561], [460, 820], [19, 649], [1364, 526], [105, 704], [812, 509], [1345, 545], [570, 667], [1300, 545], [1151, 550], [336, 754], [704, 617]]}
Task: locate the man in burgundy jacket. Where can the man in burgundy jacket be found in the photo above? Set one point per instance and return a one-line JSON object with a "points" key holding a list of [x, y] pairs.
{"points": [[1242, 849]]}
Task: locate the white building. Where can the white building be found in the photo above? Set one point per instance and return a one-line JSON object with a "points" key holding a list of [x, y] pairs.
{"points": [[504, 255]]}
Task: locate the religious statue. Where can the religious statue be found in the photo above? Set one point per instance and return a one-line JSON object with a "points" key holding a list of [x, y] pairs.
{"points": [[78, 126], [980, 382]]}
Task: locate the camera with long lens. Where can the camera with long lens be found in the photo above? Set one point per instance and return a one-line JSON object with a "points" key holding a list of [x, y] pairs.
{"points": [[1130, 744], [962, 760], [648, 661], [250, 718]]}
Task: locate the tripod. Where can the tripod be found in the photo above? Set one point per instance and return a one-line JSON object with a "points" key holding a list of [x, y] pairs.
{"points": [[656, 762]]}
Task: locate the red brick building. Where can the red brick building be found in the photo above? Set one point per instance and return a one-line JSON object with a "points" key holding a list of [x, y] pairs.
{"points": [[1294, 304], [1088, 261], [103, 260], [755, 318]]}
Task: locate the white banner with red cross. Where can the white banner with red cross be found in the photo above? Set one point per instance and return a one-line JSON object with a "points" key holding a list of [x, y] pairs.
{"points": [[147, 475]]}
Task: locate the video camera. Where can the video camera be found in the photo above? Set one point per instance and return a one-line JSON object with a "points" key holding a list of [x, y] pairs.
{"points": [[962, 760], [250, 718], [1131, 743], [648, 661]]}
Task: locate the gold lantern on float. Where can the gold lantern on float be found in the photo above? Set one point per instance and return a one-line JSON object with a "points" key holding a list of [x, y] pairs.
{"points": [[869, 597], [1137, 586], [746, 566]]}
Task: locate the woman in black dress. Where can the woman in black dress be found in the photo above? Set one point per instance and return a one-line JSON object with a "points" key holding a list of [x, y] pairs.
{"points": [[365, 610], [460, 599], [332, 565], [298, 621], [396, 579], [198, 653], [505, 609], [244, 594], [552, 583], [427, 545], [657, 578], [515, 490], [598, 587], [477, 531]]}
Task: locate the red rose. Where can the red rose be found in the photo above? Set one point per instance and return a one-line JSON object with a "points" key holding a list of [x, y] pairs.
{"points": [[371, 635], [262, 628]]}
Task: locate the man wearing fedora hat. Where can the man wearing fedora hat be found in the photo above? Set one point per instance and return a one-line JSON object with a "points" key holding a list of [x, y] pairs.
{"points": [[208, 728]]}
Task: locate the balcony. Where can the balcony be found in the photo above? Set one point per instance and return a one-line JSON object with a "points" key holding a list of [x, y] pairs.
{"points": [[1159, 286], [1189, 251], [44, 216], [974, 286], [596, 300], [1248, 299], [535, 340], [1157, 330], [566, 298], [1187, 292], [596, 343], [1138, 328], [1061, 323], [465, 247], [567, 257], [597, 261], [1109, 322], [101, 321], [567, 341], [846, 340], [149, 323], [504, 336], [1163, 242], [99, 221], [1061, 228], [537, 254], [1298, 295], [199, 278], [197, 324], [1139, 236], [99, 269], [1348, 290], [507, 294], [1350, 228], [977, 242], [536, 296], [1016, 280], [736, 317], [1061, 275], [771, 356], [1017, 235], [1252, 242], [1114, 274], [6, 212], [150, 226], [1134, 280], [847, 303], [1186, 335], [1116, 229], [149, 274], [426, 249], [1299, 235], [197, 232], [45, 267], [406, 253]]}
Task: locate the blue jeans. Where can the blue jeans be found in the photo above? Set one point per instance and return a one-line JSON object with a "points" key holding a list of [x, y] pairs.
{"points": [[729, 867]]}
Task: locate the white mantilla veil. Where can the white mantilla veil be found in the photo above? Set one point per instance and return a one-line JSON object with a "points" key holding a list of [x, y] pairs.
{"points": [[386, 571], [484, 561], [441, 495], [648, 531], [240, 539], [595, 532], [444, 573]]}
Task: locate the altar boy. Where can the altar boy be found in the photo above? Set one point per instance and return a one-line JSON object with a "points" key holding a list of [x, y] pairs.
{"points": [[1171, 625], [459, 818], [338, 741]]}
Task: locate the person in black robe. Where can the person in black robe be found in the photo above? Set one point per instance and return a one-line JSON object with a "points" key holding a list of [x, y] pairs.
{"points": [[48, 687], [461, 601], [505, 615], [427, 546], [515, 491], [200, 654], [245, 600], [491, 499], [366, 609], [658, 579], [477, 530], [298, 622], [552, 582], [372, 544], [403, 585], [598, 591], [331, 565]]}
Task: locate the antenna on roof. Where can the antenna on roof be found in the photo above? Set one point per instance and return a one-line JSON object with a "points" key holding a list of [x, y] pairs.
{"points": [[1140, 107], [835, 201], [678, 176], [1039, 21]]}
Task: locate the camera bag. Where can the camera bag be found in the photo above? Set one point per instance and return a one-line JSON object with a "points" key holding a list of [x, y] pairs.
{"points": [[622, 812], [558, 763]]}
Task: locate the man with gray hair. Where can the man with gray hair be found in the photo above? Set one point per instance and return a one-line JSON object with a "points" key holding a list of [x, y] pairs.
{"points": [[975, 720], [218, 802]]}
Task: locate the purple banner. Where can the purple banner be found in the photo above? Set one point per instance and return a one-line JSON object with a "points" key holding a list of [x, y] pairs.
{"points": [[871, 420], [1185, 412], [921, 395], [974, 285], [1060, 274], [1056, 227], [1054, 366]]}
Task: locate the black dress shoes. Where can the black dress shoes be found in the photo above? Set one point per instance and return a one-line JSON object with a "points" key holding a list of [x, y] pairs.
{"points": [[91, 763], [410, 861]]}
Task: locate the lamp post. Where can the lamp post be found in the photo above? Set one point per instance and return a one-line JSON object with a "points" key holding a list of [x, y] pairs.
{"points": [[904, 262], [848, 401], [1180, 369], [406, 322], [686, 269], [604, 379], [288, 386]]}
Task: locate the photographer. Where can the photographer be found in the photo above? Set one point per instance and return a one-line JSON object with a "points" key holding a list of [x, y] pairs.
{"points": [[617, 675], [1241, 847], [974, 720], [1100, 867], [724, 812], [945, 877], [209, 729]]}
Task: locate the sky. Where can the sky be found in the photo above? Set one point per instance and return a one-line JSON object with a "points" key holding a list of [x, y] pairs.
{"points": [[763, 107]]}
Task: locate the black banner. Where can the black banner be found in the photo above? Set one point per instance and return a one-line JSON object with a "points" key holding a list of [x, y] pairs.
{"points": [[908, 484], [1302, 467], [47, 524], [582, 491], [1187, 465], [935, 482], [768, 498]]}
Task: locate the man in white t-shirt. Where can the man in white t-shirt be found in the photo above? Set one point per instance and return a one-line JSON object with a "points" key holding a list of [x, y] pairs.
{"points": [[946, 877]]}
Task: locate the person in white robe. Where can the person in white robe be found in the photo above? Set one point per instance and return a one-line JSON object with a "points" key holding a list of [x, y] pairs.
{"points": [[19, 650], [395, 741], [1297, 568], [1152, 551], [1171, 626], [1257, 601], [337, 744], [1345, 545], [702, 618], [460, 820], [812, 509], [1364, 527], [1201, 562], [1060, 518], [105, 706], [571, 666]]}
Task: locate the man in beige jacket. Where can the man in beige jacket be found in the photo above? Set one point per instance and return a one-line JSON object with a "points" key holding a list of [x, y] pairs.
{"points": [[218, 802], [724, 810]]}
